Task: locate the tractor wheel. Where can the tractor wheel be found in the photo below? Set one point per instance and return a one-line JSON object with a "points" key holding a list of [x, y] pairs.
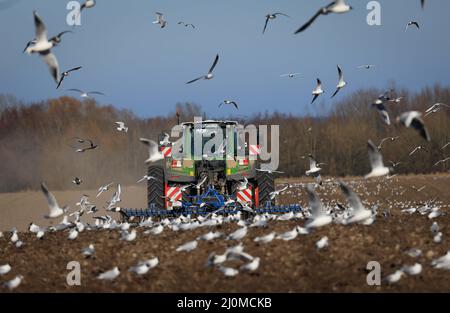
{"points": [[155, 187], [266, 185]]}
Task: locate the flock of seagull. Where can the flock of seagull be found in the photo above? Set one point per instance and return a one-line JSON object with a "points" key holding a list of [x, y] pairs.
{"points": [[315, 216]]}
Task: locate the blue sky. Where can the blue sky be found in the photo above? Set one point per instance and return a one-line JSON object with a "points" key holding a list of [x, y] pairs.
{"points": [[144, 68]]}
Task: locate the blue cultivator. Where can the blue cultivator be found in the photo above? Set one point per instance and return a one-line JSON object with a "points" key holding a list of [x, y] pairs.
{"points": [[210, 201]]}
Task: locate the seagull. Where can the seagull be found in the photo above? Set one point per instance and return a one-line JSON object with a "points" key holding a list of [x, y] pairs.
{"points": [[142, 268], [228, 271], [289, 235], [443, 262], [436, 108], [77, 181], [412, 23], [441, 161], [229, 102], [252, 266], [341, 83], [4, 269], [414, 253], [102, 189], [186, 24], [265, 239], [86, 94], [276, 193], [91, 146], [87, 5], [128, 236], [271, 16], [290, 75], [43, 46], [395, 277], [157, 230], [367, 66], [13, 283], [166, 140], [337, 6], [189, 246], [319, 216], [160, 20], [109, 275], [73, 234], [391, 139], [379, 105], [418, 189], [210, 236], [322, 243], [146, 177], [57, 39], [317, 91], [238, 234], [414, 120], [89, 251], [396, 100], [153, 152], [446, 145], [55, 209], [121, 127], [376, 162], [359, 213], [209, 75], [67, 73], [314, 171], [417, 149]]}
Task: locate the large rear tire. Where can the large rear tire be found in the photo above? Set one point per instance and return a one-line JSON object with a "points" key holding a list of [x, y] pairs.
{"points": [[266, 185], [155, 187]]}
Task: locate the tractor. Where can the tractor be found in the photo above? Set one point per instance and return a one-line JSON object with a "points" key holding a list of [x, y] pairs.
{"points": [[182, 177]]}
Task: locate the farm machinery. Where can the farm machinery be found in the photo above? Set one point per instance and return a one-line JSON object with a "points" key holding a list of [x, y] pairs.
{"points": [[211, 168]]}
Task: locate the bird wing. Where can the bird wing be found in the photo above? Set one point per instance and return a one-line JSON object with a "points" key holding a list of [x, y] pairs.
{"points": [[308, 23], [419, 125], [152, 147], [341, 74], [52, 63], [265, 24], [235, 105], [74, 69], [279, 13], [351, 196], [41, 30], [375, 157], [60, 81], [52, 204], [194, 80], [312, 162], [314, 99], [96, 93], [335, 93], [214, 64], [121, 124], [314, 202], [76, 90]]}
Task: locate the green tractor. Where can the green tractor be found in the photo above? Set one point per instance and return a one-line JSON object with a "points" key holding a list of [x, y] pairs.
{"points": [[228, 167]]}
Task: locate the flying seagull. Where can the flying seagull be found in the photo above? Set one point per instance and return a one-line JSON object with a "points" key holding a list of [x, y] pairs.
{"points": [[367, 66], [121, 127], [91, 146], [412, 23], [391, 139], [376, 162], [290, 75], [413, 119], [379, 105], [435, 108], [396, 100], [43, 46], [65, 74], [209, 75], [77, 181], [186, 24], [313, 171], [319, 216], [271, 16], [317, 91], [160, 20], [87, 5], [337, 6], [441, 161], [102, 189], [341, 83], [84, 94], [55, 209], [54, 40], [419, 148], [153, 152], [359, 213], [229, 102]]}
